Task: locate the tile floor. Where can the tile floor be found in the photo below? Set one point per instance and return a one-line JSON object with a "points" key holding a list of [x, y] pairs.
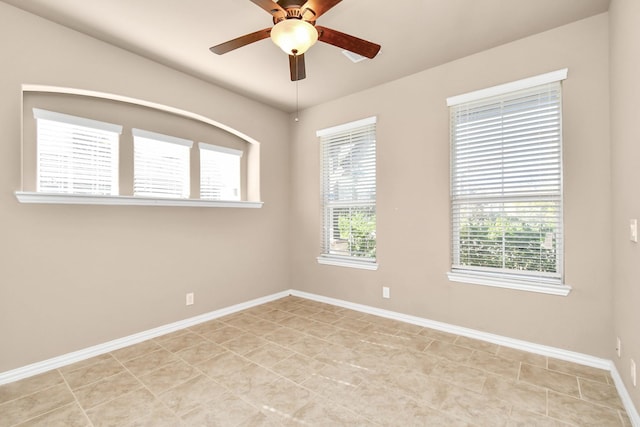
{"points": [[295, 362]]}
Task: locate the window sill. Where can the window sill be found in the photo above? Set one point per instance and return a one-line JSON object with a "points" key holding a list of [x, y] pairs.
{"points": [[81, 199], [509, 283], [344, 262]]}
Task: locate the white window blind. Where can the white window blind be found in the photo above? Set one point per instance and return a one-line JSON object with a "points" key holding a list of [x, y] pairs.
{"points": [[161, 165], [76, 155], [348, 170], [506, 185], [219, 172]]}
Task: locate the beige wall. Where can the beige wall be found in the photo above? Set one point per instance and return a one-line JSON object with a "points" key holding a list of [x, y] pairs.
{"points": [[413, 195], [625, 139], [76, 276]]}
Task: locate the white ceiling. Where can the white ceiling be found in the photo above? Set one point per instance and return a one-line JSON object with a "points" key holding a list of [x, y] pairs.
{"points": [[414, 34]]}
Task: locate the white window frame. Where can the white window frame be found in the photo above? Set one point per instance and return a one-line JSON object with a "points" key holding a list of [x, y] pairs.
{"points": [[220, 172], [81, 154], [521, 280], [328, 256], [30, 196], [173, 156]]}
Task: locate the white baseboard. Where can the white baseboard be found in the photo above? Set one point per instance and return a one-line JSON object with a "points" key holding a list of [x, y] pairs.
{"points": [[580, 358], [554, 352], [558, 353], [96, 350], [632, 412]]}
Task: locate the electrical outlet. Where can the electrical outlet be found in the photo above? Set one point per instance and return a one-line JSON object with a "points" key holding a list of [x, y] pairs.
{"points": [[190, 298], [618, 346], [386, 293], [633, 372], [633, 230]]}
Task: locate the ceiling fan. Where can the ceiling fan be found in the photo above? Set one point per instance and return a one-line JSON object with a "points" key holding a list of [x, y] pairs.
{"points": [[295, 31]]}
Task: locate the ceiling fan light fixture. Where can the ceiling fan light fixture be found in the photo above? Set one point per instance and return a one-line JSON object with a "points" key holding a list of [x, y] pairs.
{"points": [[294, 36]]}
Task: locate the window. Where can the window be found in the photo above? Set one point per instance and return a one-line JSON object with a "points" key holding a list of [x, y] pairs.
{"points": [[161, 165], [219, 172], [67, 159], [348, 154], [506, 185], [76, 155]]}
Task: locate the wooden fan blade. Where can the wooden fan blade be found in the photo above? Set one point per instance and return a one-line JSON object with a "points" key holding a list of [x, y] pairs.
{"points": [[297, 68], [312, 9], [350, 43], [271, 7], [240, 41]]}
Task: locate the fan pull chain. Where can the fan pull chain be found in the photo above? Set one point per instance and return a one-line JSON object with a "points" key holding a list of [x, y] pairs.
{"points": [[297, 96]]}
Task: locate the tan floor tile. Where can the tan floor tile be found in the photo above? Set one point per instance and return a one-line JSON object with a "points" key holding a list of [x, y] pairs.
{"points": [[222, 335], [168, 376], [464, 376], [321, 330], [159, 416], [578, 370], [205, 327], [600, 393], [449, 351], [276, 315], [298, 323], [66, 416], [262, 419], [226, 410], [30, 385], [522, 356], [478, 345], [123, 410], [354, 314], [323, 412], [201, 352], [494, 364], [92, 373], [268, 355], [187, 396], [180, 342], [382, 405], [579, 412], [135, 351], [306, 311], [34, 405], [408, 328], [424, 389], [417, 414], [346, 338], [309, 346], [284, 336], [150, 362], [281, 396], [389, 338], [521, 395], [563, 383], [477, 409], [293, 368], [326, 317], [349, 324], [243, 321], [223, 364], [106, 389], [297, 367], [330, 387], [84, 363], [438, 335], [520, 418], [253, 377], [244, 343]]}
